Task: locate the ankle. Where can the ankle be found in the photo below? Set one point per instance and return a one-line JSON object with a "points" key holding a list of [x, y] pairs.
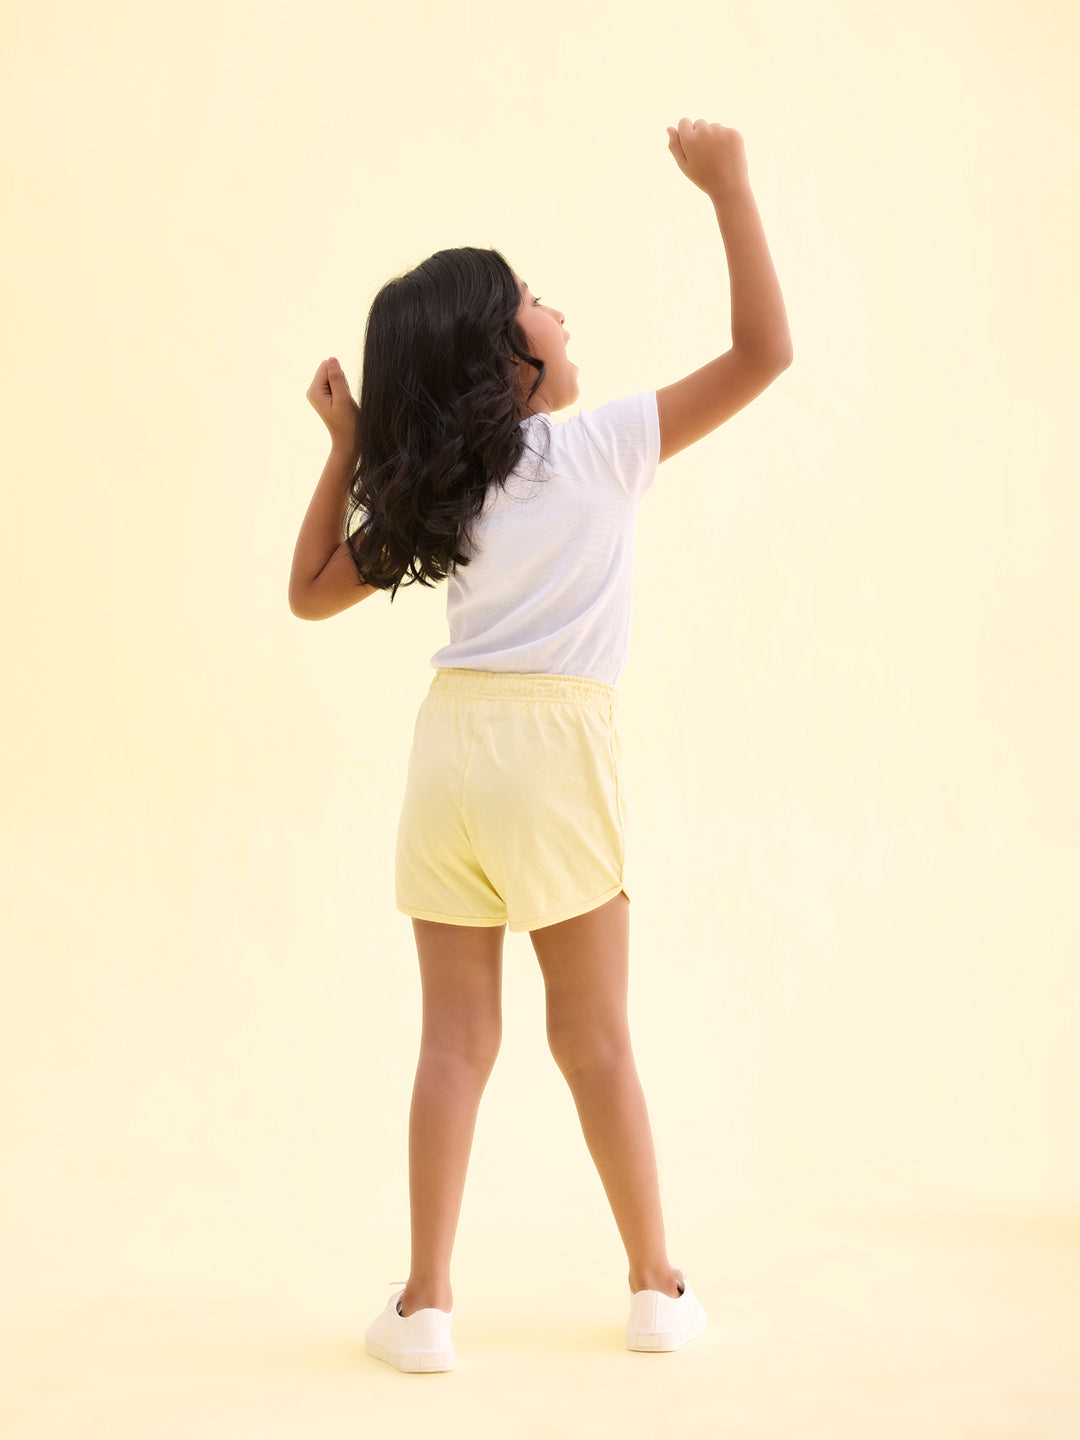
{"points": [[665, 1281], [425, 1299]]}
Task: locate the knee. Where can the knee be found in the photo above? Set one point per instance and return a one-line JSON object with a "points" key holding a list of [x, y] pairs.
{"points": [[573, 1047], [477, 1048]]}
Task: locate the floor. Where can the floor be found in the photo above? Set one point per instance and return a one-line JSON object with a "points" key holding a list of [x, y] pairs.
{"points": [[830, 1326]]}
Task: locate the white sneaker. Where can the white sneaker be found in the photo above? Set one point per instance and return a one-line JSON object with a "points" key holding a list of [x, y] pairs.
{"points": [[418, 1342], [664, 1322]]}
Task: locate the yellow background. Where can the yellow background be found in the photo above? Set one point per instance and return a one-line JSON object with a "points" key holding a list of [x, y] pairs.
{"points": [[849, 718]]}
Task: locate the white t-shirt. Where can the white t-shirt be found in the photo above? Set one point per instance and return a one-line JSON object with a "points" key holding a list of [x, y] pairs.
{"points": [[548, 587]]}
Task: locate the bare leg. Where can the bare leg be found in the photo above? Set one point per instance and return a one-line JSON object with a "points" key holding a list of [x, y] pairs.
{"points": [[585, 964], [615, 1122], [461, 973], [445, 1102]]}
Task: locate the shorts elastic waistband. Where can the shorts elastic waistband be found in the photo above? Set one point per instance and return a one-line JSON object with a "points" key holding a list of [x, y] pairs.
{"points": [[521, 685]]}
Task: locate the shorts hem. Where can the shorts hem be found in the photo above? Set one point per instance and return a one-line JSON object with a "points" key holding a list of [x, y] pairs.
{"points": [[449, 919], [573, 912]]}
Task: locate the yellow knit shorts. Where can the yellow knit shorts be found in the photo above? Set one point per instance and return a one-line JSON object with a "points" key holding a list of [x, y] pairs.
{"points": [[514, 809]]}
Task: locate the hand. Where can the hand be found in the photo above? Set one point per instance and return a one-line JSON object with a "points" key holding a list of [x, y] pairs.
{"points": [[330, 395], [710, 155]]}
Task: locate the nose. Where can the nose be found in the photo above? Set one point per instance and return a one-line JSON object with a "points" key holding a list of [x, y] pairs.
{"points": [[562, 322]]}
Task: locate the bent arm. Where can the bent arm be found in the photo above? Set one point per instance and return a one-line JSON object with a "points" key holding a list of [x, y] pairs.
{"points": [[334, 589], [759, 323], [324, 579]]}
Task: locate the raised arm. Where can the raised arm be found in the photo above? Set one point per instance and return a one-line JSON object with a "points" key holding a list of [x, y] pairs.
{"points": [[713, 157]]}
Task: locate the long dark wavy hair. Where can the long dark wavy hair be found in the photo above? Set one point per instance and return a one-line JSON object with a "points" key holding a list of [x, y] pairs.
{"points": [[439, 414]]}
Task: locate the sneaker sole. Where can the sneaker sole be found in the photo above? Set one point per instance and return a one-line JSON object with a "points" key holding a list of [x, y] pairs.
{"points": [[414, 1362], [663, 1339]]}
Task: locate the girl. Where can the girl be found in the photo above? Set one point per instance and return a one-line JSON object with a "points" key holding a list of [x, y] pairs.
{"points": [[514, 810]]}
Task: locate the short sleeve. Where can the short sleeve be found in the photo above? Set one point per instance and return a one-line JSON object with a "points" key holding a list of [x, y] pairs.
{"points": [[626, 433]]}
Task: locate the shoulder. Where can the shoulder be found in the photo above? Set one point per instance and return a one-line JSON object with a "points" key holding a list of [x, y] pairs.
{"points": [[621, 435]]}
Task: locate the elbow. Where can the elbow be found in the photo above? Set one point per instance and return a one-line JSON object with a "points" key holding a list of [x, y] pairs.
{"points": [[775, 360], [783, 358], [779, 354], [296, 605]]}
